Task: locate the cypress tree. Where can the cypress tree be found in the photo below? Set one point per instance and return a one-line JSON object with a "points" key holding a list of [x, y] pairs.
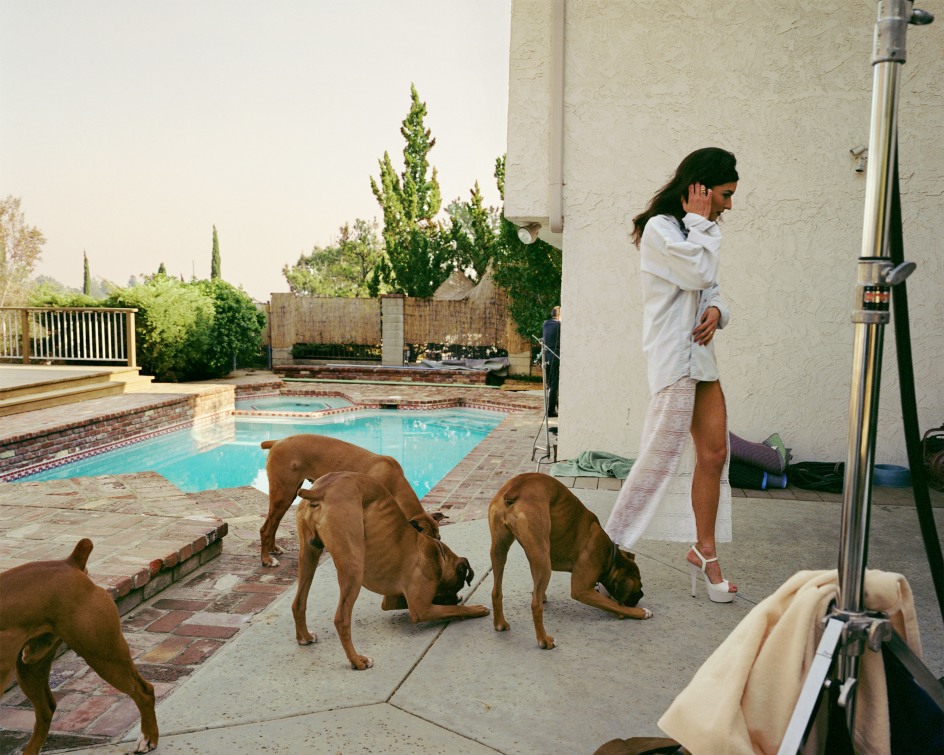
{"points": [[418, 258], [215, 261], [87, 279]]}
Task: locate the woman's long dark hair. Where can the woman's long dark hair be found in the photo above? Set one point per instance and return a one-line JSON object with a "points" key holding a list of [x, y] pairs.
{"points": [[710, 167]]}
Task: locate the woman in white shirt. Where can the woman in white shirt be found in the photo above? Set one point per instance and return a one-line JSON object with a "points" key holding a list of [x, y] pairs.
{"points": [[679, 243]]}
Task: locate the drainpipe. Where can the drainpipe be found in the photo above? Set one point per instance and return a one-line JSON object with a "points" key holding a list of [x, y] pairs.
{"points": [[556, 172]]}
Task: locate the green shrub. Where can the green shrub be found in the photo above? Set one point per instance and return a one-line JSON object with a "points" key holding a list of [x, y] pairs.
{"points": [[236, 334], [173, 327], [45, 295]]}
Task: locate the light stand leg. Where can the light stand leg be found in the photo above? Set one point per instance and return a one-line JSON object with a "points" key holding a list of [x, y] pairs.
{"points": [[809, 700]]}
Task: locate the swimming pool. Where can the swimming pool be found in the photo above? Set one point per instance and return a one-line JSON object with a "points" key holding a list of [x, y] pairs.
{"points": [[428, 444]]}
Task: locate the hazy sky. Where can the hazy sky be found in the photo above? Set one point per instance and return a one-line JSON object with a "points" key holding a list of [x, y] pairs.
{"points": [[130, 129]]}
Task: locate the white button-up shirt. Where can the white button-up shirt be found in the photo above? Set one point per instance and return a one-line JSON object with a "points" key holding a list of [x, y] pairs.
{"points": [[680, 281]]}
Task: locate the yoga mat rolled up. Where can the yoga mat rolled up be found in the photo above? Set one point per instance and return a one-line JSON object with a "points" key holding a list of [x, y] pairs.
{"points": [[769, 456], [742, 475]]}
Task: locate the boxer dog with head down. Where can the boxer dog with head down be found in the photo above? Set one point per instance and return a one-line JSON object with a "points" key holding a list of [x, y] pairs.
{"points": [[559, 533], [46, 603], [297, 458], [359, 523]]}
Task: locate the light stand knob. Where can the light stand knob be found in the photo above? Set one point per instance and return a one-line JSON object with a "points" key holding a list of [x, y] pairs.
{"points": [[899, 273]]}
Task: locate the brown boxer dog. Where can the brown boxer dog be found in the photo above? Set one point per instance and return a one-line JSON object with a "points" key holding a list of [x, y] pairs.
{"points": [[359, 523], [297, 458], [46, 603], [559, 533]]}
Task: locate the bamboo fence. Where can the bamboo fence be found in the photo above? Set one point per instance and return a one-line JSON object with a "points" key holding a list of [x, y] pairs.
{"points": [[320, 319], [479, 319]]}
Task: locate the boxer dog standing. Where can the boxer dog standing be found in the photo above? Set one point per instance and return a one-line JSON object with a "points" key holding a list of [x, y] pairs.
{"points": [[559, 533], [45, 603], [297, 458], [359, 523]]}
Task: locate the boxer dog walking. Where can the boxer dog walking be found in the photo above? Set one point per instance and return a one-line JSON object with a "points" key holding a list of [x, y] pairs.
{"points": [[359, 523], [45, 603], [559, 533], [297, 458]]}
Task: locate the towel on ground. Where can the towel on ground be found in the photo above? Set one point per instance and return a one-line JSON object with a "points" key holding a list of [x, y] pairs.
{"points": [[594, 464], [742, 698]]}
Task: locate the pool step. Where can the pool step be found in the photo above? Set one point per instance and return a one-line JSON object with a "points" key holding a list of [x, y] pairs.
{"points": [[50, 387], [164, 533]]}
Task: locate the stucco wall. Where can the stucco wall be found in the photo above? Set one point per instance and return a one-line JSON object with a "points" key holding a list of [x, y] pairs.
{"points": [[787, 88]]}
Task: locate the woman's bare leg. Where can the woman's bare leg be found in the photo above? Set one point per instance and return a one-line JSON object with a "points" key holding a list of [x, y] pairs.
{"points": [[709, 434]]}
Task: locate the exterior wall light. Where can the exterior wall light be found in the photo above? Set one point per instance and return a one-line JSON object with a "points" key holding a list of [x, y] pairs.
{"points": [[528, 234]]}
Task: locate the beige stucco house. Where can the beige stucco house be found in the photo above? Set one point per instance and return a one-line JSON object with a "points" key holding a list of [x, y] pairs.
{"points": [[605, 98]]}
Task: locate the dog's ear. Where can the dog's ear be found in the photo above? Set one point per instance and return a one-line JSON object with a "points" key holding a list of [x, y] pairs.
{"points": [[438, 516], [629, 554], [464, 570], [307, 494]]}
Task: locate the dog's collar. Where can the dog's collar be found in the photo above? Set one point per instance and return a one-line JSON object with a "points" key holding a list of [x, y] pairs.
{"points": [[612, 557]]}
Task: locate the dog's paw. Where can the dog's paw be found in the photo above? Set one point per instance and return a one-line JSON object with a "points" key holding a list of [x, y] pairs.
{"points": [[277, 549], [145, 744], [547, 643], [273, 562], [502, 626], [361, 662], [311, 639]]}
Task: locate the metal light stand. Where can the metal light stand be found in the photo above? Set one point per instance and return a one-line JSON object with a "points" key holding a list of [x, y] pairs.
{"points": [[548, 450], [848, 628]]}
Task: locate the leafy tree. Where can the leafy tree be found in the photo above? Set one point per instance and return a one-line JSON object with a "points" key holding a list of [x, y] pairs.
{"points": [[236, 333], [530, 273], [474, 233], [215, 259], [363, 248], [20, 249], [161, 270], [418, 256], [346, 268], [87, 276]]}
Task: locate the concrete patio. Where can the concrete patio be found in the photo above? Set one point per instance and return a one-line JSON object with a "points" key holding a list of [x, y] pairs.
{"points": [[218, 642]]}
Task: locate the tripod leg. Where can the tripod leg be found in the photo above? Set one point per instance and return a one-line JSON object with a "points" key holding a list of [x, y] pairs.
{"points": [[545, 427], [809, 700]]}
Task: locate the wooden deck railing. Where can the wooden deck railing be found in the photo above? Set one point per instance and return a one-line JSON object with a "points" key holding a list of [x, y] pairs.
{"points": [[67, 334]]}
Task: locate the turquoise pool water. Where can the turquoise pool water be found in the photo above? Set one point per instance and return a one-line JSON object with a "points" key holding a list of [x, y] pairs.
{"points": [[426, 443]]}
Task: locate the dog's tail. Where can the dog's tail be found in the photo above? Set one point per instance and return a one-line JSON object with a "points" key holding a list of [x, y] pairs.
{"points": [[80, 554], [268, 443]]}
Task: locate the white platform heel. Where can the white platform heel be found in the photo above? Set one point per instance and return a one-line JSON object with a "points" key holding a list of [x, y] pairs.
{"points": [[717, 593]]}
